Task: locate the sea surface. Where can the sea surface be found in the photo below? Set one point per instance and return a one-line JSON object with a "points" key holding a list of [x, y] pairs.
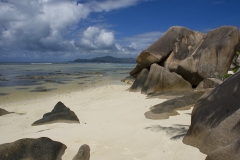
{"points": [[21, 81]]}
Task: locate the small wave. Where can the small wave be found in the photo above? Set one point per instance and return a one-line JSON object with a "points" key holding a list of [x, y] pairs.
{"points": [[41, 63]]}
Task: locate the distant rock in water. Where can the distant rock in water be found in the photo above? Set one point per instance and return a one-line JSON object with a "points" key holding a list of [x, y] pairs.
{"points": [[4, 112], [83, 153], [107, 59], [60, 113], [32, 149], [215, 122]]}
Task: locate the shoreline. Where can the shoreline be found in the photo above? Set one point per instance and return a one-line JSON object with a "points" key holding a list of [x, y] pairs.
{"points": [[112, 123], [15, 94]]}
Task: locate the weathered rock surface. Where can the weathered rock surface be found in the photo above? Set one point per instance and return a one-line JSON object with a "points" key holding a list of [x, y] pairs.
{"points": [[214, 55], [32, 149], [60, 113], [179, 41], [160, 79], [139, 82], [4, 112], [209, 83], [136, 71], [230, 152], [193, 55], [169, 108], [83, 153], [215, 123]]}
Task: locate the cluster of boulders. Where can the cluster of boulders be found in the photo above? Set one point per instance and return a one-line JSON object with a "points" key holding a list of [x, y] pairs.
{"points": [[184, 60]]}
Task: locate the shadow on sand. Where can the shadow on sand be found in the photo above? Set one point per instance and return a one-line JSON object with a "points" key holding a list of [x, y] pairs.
{"points": [[176, 132]]}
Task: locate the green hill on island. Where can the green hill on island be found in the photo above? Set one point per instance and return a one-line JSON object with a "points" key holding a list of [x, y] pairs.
{"points": [[107, 59]]}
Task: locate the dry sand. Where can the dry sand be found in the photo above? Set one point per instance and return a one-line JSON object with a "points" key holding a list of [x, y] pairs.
{"points": [[112, 123]]}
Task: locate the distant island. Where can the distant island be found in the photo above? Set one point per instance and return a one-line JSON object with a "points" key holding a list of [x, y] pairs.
{"points": [[106, 59]]}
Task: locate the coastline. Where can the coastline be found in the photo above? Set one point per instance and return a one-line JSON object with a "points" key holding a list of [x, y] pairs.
{"points": [[25, 81], [112, 123]]}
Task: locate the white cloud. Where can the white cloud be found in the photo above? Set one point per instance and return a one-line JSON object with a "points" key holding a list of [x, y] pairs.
{"points": [[41, 28], [133, 45], [39, 25], [109, 5], [94, 38], [142, 41]]}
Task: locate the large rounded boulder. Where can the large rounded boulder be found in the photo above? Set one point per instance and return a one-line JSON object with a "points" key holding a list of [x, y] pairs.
{"points": [[215, 122], [30, 149], [213, 56], [178, 40]]}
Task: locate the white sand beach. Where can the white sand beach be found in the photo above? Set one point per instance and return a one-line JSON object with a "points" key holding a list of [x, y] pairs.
{"points": [[112, 123]]}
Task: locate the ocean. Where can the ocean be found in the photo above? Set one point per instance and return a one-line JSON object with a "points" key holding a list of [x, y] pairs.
{"points": [[20, 81]]}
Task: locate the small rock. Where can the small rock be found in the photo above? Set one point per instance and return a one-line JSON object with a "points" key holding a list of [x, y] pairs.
{"points": [[83, 153], [4, 112], [60, 113]]}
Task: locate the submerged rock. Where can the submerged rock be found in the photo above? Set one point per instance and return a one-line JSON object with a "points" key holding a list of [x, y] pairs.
{"points": [[3, 79], [83, 153], [32, 149], [60, 113], [215, 123]]}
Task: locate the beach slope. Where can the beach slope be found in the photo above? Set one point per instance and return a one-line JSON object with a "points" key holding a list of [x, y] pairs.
{"points": [[112, 123]]}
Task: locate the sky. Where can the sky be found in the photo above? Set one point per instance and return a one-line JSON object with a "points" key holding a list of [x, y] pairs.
{"points": [[64, 30]]}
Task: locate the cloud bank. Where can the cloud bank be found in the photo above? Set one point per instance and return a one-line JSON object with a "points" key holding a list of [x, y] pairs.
{"points": [[41, 29]]}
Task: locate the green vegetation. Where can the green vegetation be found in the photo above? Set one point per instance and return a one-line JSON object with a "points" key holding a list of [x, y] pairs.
{"points": [[107, 59]]}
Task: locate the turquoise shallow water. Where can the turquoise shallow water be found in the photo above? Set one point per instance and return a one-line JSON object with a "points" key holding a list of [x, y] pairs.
{"points": [[28, 80]]}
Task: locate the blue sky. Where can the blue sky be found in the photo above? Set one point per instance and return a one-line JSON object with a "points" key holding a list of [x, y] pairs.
{"points": [[63, 30]]}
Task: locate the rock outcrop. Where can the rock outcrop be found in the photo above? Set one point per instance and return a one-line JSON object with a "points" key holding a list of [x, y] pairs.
{"points": [[177, 41], [138, 84], [4, 112], [230, 152], [193, 55], [60, 113], [83, 153], [128, 80], [214, 55], [168, 108], [209, 83], [32, 149], [159, 79], [215, 122]]}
